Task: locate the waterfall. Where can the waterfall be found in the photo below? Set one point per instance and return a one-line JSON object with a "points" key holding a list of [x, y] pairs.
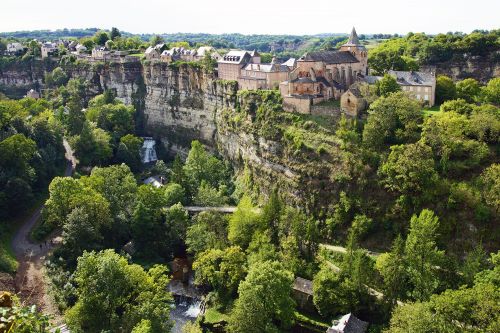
{"points": [[148, 152], [194, 310]]}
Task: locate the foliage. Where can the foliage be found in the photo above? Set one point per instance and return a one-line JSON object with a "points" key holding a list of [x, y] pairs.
{"points": [[115, 295], [491, 92], [92, 145], [208, 231], [469, 90], [244, 223], [264, 303], [221, 269], [392, 119], [445, 89], [387, 85], [423, 255]]}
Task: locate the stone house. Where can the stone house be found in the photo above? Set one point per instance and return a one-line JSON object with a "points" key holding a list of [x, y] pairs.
{"points": [[152, 53], [352, 102], [169, 56], [231, 64], [48, 50], [203, 50], [100, 53], [348, 324], [14, 49], [421, 85], [32, 93], [80, 49], [303, 294], [323, 75], [262, 76]]}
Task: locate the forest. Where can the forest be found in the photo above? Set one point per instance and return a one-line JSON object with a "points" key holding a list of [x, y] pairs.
{"points": [[410, 245]]}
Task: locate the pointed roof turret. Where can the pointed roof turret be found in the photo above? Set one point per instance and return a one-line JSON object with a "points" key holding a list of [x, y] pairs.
{"points": [[353, 38]]}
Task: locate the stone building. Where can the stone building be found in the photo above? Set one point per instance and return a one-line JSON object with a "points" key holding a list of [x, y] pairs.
{"points": [[100, 53], [352, 102], [152, 53], [262, 76], [14, 49], [203, 50], [323, 75], [421, 85], [231, 64], [32, 93], [48, 50], [303, 294]]}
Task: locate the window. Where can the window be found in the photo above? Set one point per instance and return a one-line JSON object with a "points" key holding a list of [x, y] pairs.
{"points": [[426, 97], [418, 96]]}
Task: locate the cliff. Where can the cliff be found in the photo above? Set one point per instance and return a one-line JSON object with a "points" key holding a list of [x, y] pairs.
{"points": [[179, 104], [481, 68]]}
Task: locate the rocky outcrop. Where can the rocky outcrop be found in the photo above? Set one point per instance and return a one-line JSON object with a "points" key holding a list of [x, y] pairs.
{"points": [[481, 68]]}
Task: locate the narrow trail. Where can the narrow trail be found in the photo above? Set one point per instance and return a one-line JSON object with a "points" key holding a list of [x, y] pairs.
{"points": [[30, 282]]}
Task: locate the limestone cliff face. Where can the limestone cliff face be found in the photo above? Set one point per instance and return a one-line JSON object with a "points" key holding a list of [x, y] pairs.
{"points": [[181, 104], [481, 68]]}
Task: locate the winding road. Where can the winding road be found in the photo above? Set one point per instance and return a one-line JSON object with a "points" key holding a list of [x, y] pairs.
{"points": [[29, 281]]}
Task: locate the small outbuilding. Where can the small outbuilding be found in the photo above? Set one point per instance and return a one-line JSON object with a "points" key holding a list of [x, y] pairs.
{"points": [[303, 294], [352, 102]]}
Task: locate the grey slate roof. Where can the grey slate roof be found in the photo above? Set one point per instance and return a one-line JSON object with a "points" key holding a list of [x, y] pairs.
{"points": [[267, 68], [349, 324], [303, 285], [330, 57], [236, 57], [413, 78]]}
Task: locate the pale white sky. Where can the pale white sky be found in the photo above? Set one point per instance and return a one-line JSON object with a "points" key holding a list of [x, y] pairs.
{"points": [[254, 16]]}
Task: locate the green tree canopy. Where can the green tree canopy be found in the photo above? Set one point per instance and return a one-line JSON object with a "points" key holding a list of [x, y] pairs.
{"points": [[264, 303], [115, 295]]}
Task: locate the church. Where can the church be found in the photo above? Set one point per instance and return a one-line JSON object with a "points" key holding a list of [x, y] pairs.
{"points": [[323, 75]]}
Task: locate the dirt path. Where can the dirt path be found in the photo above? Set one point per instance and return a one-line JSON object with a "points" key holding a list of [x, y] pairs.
{"points": [[30, 280]]}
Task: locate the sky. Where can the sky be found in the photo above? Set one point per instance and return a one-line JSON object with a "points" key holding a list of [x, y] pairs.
{"points": [[295, 17]]}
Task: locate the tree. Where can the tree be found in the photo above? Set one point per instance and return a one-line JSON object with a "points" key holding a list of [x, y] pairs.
{"points": [[129, 151], [244, 223], [57, 78], [155, 40], [457, 105], [445, 89], [92, 146], [409, 170], [264, 303], [330, 293], [491, 92], [221, 269], [208, 231], [387, 85], [261, 248], [392, 119], [174, 193], [201, 166], [447, 134], [392, 268], [484, 123], [422, 255], [176, 222], [474, 309], [101, 37], [490, 181], [469, 90], [114, 295], [115, 33], [16, 152], [209, 196]]}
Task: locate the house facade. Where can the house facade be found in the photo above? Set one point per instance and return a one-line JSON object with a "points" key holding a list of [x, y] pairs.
{"points": [[262, 76], [14, 49], [48, 50], [231, 64]]}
